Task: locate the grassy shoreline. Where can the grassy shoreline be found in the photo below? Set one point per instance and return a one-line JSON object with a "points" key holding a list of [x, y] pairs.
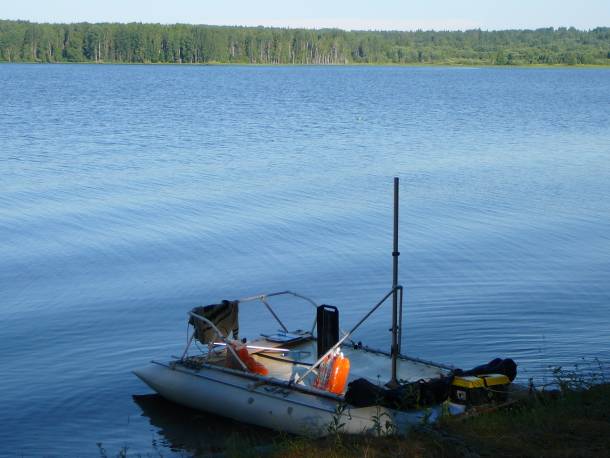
{"points": [[568, 416], [572, 423], [389, 64]]}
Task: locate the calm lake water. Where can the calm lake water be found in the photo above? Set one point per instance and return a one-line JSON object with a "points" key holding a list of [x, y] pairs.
{"points": [[130, 194]]}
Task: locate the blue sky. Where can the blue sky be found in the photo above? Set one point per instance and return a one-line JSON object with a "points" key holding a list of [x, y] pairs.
{"points": [[346, 14]]}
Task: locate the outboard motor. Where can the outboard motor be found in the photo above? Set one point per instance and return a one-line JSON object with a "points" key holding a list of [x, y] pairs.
{"points": [[328, 328]]}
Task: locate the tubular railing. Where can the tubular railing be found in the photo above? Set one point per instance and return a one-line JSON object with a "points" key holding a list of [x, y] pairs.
{"points": [[263, 299], [219, 334]]}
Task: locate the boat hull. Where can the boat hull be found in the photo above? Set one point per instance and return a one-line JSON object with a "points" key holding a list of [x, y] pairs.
{"points": [[273, 406]]}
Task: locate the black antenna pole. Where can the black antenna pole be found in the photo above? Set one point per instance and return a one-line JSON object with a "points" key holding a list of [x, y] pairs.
{"points": [[395, 253]]}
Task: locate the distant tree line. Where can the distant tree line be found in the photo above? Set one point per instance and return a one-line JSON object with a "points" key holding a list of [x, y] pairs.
{"points": [[22, 41]]}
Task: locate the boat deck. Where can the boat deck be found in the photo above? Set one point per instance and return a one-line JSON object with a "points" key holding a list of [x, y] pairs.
{"points": [[364, 363], [302, 354]]}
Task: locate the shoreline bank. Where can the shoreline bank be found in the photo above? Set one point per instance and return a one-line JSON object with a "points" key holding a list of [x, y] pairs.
{"points": [[245, 64]]}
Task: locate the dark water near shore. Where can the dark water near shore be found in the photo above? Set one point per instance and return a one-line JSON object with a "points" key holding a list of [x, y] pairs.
{"points": [[129, 194]]}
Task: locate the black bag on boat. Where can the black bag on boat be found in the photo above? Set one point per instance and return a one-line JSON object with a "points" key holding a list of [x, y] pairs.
{"points": [[434, 391], [362, 393], [496, 366]]}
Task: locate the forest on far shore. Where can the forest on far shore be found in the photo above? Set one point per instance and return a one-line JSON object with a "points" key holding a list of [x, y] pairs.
{"points": [[23, 41]]}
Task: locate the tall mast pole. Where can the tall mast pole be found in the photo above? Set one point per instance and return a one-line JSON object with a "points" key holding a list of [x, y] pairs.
{"points": [[395, 253]]}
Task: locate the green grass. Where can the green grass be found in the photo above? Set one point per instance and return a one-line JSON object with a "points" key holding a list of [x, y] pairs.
{"points": [[569, 424], [574, 423]]}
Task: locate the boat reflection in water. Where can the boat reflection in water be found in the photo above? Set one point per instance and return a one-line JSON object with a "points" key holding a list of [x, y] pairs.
{"points": [[182, 429]]}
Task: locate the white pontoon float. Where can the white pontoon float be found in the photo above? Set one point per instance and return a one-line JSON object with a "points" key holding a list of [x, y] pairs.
{"points": [[308, 382]]}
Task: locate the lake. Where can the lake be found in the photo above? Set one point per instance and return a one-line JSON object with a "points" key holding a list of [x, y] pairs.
{"points": [[130, 194]]}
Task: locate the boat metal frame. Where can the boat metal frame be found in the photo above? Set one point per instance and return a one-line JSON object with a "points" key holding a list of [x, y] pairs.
{"points": [[263, 298], [397, 293]]}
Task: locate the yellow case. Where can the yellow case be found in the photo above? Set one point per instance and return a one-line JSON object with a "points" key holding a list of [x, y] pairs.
{"points": [[480, 381]]}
